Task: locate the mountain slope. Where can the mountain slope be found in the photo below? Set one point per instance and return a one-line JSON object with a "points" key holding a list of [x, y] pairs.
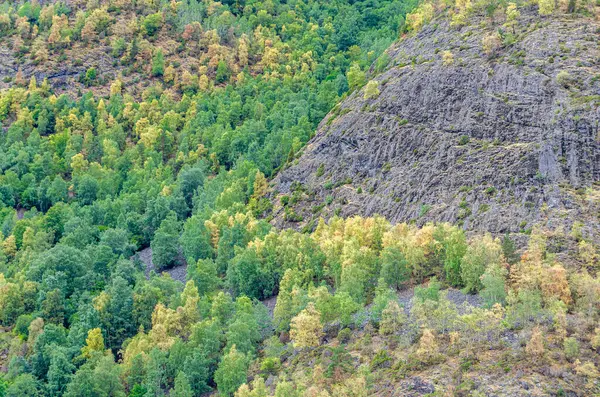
{"points": [[496, 141]]}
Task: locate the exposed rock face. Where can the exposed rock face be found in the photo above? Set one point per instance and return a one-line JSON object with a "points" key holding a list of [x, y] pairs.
{"points": [[496, 143]]}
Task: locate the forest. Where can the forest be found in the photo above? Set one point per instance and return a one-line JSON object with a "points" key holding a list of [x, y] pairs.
{"points": [[170, 144]]}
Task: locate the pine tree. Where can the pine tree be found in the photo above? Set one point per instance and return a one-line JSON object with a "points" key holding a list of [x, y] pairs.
{"points": [[158, 63]]}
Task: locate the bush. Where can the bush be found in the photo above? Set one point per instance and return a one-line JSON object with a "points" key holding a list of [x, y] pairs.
{"points": [[152, 23], [270, 365], [463, 140], [344, 335], [90, 76], [491, 44], [563, 78], [381, 360], [571, 348], [371, 90]]}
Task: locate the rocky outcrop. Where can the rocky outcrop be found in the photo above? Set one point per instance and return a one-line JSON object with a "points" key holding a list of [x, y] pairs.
{"points": [[494, 142]]}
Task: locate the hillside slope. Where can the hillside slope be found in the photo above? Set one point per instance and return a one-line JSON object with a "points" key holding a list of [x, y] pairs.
{"points": [[468, 127]]}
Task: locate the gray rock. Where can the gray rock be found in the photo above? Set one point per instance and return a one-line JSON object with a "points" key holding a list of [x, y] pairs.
{"points": [[493, 144]]}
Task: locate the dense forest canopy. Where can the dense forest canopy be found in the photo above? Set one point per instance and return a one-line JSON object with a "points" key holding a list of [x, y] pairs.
{"points": [[166, 138]]}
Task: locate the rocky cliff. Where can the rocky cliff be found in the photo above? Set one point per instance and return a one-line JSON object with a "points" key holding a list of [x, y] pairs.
{"points": [[496, 140]]}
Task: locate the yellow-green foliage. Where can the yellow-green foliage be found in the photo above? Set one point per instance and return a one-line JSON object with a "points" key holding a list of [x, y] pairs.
{"points": [[447, 58], [306, 328], [371, 90], [546, 7], [421, 16]]}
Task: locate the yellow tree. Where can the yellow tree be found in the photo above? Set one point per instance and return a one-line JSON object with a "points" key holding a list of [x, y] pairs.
{"points": [[306, 328], [554, 284], [428, 348], [546, 7], [512, 15], [94, 343], [535, 347], [371, 90], [447, 58], [189, 313], [9, 246]]}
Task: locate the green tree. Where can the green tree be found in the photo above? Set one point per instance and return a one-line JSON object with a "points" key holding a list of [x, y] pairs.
{"points": [[245, 276], [196, 240], [57, 191], [482, 252], [182, 386], [59, 373], [222, 307], [119, 321], [86, 188], [205, 276], [152, 23], [165, 249], [158, 63], [455, 246], [356, 77], [25, 385], [394, 267], [493, 281], [509, 250], [222, 73], [232, 372], [155, 373], [243, 333], [197, 369]]}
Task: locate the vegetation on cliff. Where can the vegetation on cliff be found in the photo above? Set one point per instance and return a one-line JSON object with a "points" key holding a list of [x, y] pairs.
{"points": [[165, 137]]}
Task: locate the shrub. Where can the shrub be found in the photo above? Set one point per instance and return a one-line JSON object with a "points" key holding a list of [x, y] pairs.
{"points": [[321, 170], [371, 90], [152, 23], [563, 78], [344, 335], [270, 365], [381, 360], [491, 44], [463, 140], [447, 58], [90, 76], [571, 348]]}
